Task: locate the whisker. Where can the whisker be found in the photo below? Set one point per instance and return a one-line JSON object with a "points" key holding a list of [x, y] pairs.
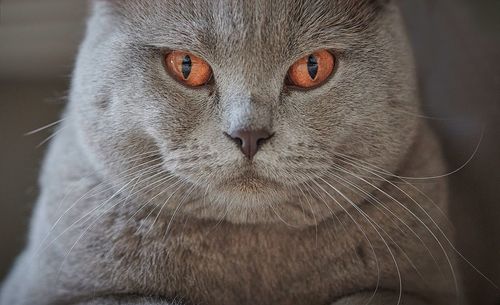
{"points": [[84, 196], [312, 211], [369, 169], [163, 181], [279, 216], [374, 227], [357, 225], [55, 133], [418, 219], [221, 219], [465, 164], [88, 214], [92, 224], [448, 241], [177, 208], [180, 183], [378, 203], [29, 133]]}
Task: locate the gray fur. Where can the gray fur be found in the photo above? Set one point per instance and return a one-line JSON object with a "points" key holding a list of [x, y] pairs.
{"points": [[217, 229]]}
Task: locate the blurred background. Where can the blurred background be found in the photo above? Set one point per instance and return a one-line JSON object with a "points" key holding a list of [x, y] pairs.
{"points": [[457, 47]]}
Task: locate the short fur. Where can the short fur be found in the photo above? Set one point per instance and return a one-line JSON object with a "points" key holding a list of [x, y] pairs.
{"points": [[145, 201]]}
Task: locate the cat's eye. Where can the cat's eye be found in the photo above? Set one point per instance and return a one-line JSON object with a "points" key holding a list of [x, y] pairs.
{"points": [[188, 68], [312, 70]]}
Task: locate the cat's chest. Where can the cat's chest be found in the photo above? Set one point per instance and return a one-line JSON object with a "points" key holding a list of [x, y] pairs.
{"points": [[219, 263]]}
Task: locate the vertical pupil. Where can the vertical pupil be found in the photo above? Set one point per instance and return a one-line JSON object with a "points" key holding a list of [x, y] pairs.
{"points": [[186, 66], [312, 66]]}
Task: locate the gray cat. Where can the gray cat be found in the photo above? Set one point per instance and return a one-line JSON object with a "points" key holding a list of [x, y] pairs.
{"points": [[241, 152]]}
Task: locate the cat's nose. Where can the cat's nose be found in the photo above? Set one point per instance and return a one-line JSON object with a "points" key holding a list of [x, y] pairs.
{"points": [[250, 140]]}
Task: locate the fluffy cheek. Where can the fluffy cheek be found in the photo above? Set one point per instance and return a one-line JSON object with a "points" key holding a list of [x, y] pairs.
{"points": [[191, 141], [367, 124], [170, 117]]}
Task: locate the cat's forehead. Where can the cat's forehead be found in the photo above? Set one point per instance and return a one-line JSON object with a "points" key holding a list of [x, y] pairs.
{"points": [[241, 25]]}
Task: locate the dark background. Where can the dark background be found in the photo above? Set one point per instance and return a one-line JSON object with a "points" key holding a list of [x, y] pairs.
{"points": [[457, 46]]}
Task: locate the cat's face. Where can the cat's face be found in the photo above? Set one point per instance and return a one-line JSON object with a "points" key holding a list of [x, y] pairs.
{"points": [[125, 102]]}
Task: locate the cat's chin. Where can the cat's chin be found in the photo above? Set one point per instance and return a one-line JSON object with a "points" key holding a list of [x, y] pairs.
{"points": [[248, 182], [247, 187], [258, 201]]}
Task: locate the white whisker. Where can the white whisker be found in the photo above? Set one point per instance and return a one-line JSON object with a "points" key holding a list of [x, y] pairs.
{"points": [[29, 133], [374, 225]]}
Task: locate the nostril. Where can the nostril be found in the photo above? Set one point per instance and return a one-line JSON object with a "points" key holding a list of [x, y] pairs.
{"points": [[264, 140], [236, 140], [250, 141]]}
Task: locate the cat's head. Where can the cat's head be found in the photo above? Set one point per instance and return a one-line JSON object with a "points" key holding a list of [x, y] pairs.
{"points": [[245, 104]]}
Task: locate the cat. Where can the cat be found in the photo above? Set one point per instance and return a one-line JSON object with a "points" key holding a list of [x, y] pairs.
{"points": [[241, 152]]}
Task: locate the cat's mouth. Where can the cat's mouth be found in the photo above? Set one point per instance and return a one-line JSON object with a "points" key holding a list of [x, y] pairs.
{"points": [[248, 181]]}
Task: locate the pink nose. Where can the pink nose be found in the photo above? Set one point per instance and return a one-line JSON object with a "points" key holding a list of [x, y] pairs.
{"points": [[250, 140]]}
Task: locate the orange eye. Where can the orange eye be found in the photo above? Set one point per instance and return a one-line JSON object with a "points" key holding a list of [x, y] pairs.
{"points": [[188, 68], [312, 70]]}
